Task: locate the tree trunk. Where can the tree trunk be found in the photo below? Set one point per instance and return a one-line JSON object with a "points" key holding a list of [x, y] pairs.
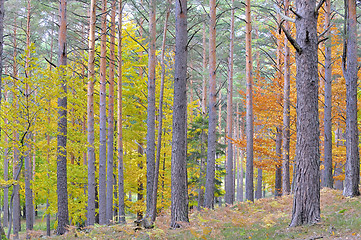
{"points": [[259, 184], [62, 188], [120, 121], [102, 116], [278, 177], [249, 106], [151, 105], [90, 116], [338, 184], [179, 191], [352, 167], [229, 186], [306, 204], [153, 212], [6, 163], [212, 124], [240, 171], [110, 145], [204, 62], [286, 187], [327, 180]]}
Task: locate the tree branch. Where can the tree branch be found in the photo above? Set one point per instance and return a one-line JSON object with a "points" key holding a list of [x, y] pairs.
{"points": [[319, 5], [291, 39]]}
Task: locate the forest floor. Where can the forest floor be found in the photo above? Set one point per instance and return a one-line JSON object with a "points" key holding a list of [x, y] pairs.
{"points": [[265, 219]]}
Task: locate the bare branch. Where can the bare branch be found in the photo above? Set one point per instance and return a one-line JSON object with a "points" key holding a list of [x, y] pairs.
{"points": [[291, 39]]}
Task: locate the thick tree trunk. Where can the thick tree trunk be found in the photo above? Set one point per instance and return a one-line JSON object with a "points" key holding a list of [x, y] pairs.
{"points": [[102, 116], [62, 188], [153, 212], [327, 180], [352, 167], [229, 186], [278, 177], [249, 106], [306, 204], [179, 191], [212, 122], [121, 211], [286, 187], [90, 116], [151, 105], [110, 144]]}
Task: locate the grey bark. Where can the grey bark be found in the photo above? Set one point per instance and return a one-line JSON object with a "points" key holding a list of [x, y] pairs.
{"points": [[212, 119], [90, 117], [286, 114], [352, 167], [6, 177], [278, 177], [28, 191], [306, 204], [258, 194], [179, 189], [338, 184], [102, 117], [327, 180], [229, 185], [121, 211]]}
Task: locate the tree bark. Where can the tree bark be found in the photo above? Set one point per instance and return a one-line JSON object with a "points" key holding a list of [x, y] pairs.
{"points": [[90, 116], [120, 120], [249, 106], [352, 167], [110, 144], [259, 184], [102, 116], [306, 204], [6, 161], [153, 212], [62, 188], [278, 177], [212, 120], [286, 187], [229, 186], [179, 190], [327, 180], [204, 63], [151, 105]]}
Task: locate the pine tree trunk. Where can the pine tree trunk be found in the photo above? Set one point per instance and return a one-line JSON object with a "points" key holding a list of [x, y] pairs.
{"points": [[62, 188], [179, 189], [120, 121], [212, 124], [229, 187], [153, 212], [151, 105], [286, 187], [249, 106], [327, 180], [306, 204], [338, 184], [278, 177], [259, 184], [90, 116], [102, 116], [110, 144], [6, 164], [352, 167], [204, 63]]}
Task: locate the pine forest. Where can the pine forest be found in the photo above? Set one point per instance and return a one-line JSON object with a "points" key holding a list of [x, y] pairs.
{"points": [[144, 119]]}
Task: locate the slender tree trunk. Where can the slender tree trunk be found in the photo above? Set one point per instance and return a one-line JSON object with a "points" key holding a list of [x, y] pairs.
{"points": [[278, 177], [241, 171], [90, 116], [204, 62], [259, 184], [249, 105], [6, 169], [102, 116], [62, 188], [229, 197], [153, 212], [352, 167], [110, 145], [212, 124], [338, 184], [327, 180], [286, 188], [120, 120], [151, 105], [306, 204], [6, 162], [179, 189]]}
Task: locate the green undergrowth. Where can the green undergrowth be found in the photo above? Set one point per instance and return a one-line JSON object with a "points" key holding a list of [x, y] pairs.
{"points": [[264, 219]]}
